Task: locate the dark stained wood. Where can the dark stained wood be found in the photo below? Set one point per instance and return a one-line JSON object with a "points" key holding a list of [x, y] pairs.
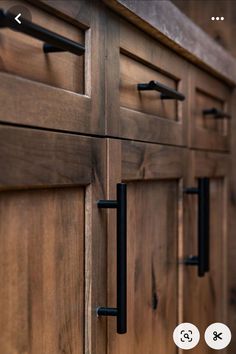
{"points": [[44, 105], [205, 92], [221, 31], [63, 70], [142, 161], [133, 72], [31, 158], [181, 34], [205, 299], [73, 11], [139, 115], [232, 228]]}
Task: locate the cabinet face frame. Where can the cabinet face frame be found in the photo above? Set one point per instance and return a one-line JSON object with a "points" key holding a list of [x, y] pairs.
{"points": [[199, 293], [133, 163], [215, 90], [34, 160], [124, 39], [30, 103]]}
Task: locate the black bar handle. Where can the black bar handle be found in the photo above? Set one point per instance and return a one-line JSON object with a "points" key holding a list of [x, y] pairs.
{"points": [[203, 258], [53, 42], [216, 113], [166, 92], [121, 310]]}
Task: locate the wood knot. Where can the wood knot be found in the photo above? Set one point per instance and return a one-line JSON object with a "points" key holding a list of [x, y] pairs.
{"points": [[154, 301]]}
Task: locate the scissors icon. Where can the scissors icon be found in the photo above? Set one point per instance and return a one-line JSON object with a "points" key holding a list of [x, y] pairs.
{"points": [[217, 336]]}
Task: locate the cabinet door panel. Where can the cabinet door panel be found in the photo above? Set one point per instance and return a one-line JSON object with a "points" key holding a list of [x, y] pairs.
{"points": [[205, 298], [42, 271], [152, 266], [52, 242], [153, 236]]}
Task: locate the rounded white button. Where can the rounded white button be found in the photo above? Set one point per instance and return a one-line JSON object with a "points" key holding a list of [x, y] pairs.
{"points": [[186, 336], [218, 336]]}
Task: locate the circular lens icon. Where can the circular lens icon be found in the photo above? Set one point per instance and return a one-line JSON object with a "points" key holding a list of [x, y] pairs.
{"points": [[218, 336], [186, 336]]}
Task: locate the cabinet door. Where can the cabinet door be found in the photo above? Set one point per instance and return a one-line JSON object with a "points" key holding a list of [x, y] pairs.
{"points": [[153, 174], [205, 298], [52, 242], [60, 90]]}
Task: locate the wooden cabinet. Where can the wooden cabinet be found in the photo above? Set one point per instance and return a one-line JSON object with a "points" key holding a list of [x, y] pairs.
{"points": [[52, 239], [154, 177], [205, 298], [72, 128], [134, 58], [210, 112], [54, 90]]}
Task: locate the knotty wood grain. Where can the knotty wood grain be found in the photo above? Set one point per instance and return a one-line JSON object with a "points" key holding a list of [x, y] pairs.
{"points": [[153, 179], [42, 269], [205, 299]]}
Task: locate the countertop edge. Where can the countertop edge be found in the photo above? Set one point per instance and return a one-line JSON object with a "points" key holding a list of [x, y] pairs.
{"points": [[164, 21]]}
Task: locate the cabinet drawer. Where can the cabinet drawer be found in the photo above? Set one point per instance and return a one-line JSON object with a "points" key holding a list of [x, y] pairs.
{"points": [[149, 102], [209, 112], [56, 90], [23, 55], [144, 113]]}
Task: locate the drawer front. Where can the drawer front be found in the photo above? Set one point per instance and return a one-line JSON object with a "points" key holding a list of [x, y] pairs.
{"points": [[209, 112], [58, 89], [149, 102], [23, 55], [144, 114]]}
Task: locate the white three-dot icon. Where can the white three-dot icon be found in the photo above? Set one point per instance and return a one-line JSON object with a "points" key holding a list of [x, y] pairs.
{"points": [[217, 18]]}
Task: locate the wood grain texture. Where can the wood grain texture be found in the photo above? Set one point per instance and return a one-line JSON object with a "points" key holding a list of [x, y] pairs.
{"points": [[63, 70], [131, 73], [205, 299], [141, 161], [153, 200], [205, 92], [50, 107], [224, 33], [31, 158], [139, 115], [152, 269], [42, 268], [152, 17]]}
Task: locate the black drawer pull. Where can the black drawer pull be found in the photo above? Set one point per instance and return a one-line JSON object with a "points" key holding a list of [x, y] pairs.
{"points": [[216, 113], [166, 92], [53, 41], [121, 310], [202, 260]]}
